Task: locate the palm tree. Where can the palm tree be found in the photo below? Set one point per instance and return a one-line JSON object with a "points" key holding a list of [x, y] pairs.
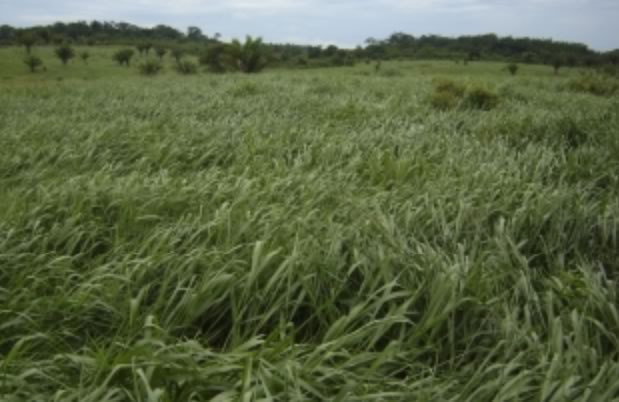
{"points": [[249, 57]]}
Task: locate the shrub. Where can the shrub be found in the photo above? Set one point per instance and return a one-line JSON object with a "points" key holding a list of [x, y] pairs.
{"points": [[85, 56], [449, 94], [214, 58], [144, 48], [123, 57], [177, 53], [160, 52], [33, 62], [186, 67], [449, 86], [481, 99], [65, 53], [150, 67], [442, 100], [512, 68], [594, 84]]}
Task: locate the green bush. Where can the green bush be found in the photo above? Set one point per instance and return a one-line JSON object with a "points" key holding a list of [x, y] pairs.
{"points": [[150, 67], [186, 67], [443, 100], [123, 57], [449, 94], [512, 68], [481, 99], [33, 62], [595, 84], [65, 53], [450, 87]]}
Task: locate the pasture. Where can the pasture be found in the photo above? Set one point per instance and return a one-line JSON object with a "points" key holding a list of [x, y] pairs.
{"points": [[306, 235]]}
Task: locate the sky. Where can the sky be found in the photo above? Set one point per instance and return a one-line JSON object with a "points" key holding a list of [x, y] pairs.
{"points": [[345, 23]]}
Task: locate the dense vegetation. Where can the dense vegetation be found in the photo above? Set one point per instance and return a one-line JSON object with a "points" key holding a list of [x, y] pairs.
{"points": [[397, 46], [307, 235]]}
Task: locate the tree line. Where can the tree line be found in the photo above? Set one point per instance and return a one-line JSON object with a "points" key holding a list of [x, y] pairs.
{"points": [[397, 46]]}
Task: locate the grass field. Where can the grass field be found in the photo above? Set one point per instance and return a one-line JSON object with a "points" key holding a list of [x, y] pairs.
{"points": [[309, 235]]}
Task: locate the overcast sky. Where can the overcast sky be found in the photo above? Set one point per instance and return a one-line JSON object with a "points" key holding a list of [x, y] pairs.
{"points": [[342, 22]]}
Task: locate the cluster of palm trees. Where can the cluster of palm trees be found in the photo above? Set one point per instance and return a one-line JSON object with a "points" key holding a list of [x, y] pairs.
{"points": [[250, 56]]}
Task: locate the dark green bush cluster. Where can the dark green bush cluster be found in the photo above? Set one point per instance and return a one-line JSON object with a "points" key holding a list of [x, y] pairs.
{"points": [[448, 95], [150, 67], [248, 57], [595, 84]]}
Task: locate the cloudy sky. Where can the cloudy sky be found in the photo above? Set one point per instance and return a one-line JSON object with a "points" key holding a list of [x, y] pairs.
{"points": [[343, 22]]}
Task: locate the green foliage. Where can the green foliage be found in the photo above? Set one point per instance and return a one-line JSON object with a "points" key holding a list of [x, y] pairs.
{"points": [[512, 68], [248, 57], [150, 67], [596, 84], [144, 48], [160, 52], [85, 55], [450, 94], [177, 53], [481, 98], [33, 62], [305, 236], [443, 100], [65, 53], [186, 67], [214, 58], [26, 39], [123, 57]]}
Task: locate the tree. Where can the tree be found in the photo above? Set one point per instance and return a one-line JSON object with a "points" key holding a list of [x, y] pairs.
{"points": [[249, 57], [123, 57], [65, 53], [33, 62], [85, 55], [160, 52], [195, 33], [27, 39], [512, 68]]}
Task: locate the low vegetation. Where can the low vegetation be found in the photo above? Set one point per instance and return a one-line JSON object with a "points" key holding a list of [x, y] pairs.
{"points": [[150, 67], [306, 235]]}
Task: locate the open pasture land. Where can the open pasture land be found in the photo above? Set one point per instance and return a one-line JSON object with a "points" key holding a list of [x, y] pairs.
{"points": [[425, 232]]}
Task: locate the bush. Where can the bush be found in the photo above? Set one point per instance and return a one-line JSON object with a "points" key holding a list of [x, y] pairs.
{"points": [[594, 84], [160, 52], [65, 53], [442, 100], [512, 68], [85, 55], [450, 87], [177, 53], [123, 57], [214, 58], [186, 67], [481, 99], [449, 94], [33, 62], [150, 67]]}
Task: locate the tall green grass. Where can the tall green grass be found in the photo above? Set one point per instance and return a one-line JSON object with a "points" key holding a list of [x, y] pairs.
{"points": [[307, 236]]}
